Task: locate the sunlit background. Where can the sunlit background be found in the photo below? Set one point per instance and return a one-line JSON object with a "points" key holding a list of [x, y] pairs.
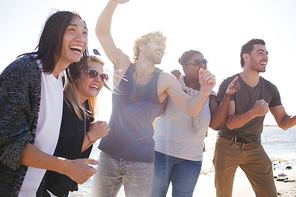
{"points": [[216, 28]]}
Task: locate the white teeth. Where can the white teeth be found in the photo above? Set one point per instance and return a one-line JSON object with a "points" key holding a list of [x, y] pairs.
{"points": [[76, 47], [94, 86]]}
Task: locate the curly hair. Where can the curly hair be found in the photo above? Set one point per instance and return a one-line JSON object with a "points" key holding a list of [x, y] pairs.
{"points": [[155, 36]]}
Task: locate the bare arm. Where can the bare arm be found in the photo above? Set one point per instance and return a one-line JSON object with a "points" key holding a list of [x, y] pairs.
{"points": [[191, 106], [283, 120], [97, 130], [236, 121], [177, 74], [219, 114], [78, 170], [103, 32]]}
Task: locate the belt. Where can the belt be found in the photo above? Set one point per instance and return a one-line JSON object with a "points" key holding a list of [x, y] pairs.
{"points": [[237, 139]]}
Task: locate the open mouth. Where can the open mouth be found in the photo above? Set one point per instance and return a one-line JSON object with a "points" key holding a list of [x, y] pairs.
{"points": [[263, 63], [94, 87], [77, 49], [159, 53]]}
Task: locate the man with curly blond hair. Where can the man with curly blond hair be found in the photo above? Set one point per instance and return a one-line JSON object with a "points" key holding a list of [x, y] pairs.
{"points": [[128, 150], [156, 36]]}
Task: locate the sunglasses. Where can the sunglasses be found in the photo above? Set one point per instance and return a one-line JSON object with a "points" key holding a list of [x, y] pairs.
{"points": [[198, 62], [96, 52], [94, 74]]}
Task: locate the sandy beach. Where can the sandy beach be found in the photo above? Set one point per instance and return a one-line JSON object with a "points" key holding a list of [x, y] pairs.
{"points": [[286, 171], [242, 188], [278, 144]]}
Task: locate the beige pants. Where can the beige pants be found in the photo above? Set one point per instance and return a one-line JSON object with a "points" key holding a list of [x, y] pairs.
{"points": [[251, 158]]}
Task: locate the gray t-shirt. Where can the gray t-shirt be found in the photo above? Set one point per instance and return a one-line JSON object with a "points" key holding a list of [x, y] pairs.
{"points": [[244, 100], [133, 110], [175, 136]]}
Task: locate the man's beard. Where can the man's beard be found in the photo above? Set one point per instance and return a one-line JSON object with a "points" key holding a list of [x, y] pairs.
{"points": [[256, 66], [152, 57]]}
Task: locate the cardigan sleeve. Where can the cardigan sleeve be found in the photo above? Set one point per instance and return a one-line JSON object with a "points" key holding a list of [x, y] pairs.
{"points": [[20, 90]]}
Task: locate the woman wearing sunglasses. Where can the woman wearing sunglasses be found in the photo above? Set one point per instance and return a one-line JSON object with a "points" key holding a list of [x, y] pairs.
{"points": [[31, 106], [179, 138], [78, 131]]}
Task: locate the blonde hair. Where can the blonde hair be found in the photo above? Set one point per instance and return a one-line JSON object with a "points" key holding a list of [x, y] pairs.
{"points": [[155, 36], [71, 96]]}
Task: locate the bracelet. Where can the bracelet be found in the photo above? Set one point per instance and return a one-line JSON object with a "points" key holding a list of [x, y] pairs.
{"points": [[90, 142]]}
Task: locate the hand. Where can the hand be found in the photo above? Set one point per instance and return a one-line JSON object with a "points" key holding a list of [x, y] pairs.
{"points": [[176, 73], [98, 129], [233, 87], [80, 171], [260, 108], [206, 79]]}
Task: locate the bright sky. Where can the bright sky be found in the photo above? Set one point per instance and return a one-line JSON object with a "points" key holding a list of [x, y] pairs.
{"points": [[216, 28]]}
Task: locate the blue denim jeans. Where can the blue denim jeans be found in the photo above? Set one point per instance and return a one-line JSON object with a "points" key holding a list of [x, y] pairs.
{"points": [[136, 177], [182, 173]]}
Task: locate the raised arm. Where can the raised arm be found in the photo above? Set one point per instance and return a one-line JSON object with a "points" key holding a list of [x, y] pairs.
{"points": [[191, 106], [219, 113], [283, 120], [103, 31]]}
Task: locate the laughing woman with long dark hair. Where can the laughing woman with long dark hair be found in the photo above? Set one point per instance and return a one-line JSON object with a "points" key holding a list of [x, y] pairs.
{"points": [[31, 104]]}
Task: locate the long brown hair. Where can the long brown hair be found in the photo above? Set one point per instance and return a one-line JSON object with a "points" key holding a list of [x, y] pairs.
{"points": [[49, 48]]}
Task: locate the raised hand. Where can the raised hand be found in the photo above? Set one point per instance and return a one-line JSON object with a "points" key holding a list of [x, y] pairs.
{"points": [[260, 108], [206, 79], [233, 87], [98, 129], [80, 171], [176, 73]]}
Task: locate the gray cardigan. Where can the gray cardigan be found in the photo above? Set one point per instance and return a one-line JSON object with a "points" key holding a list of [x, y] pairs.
{"points": [[20, 92]]}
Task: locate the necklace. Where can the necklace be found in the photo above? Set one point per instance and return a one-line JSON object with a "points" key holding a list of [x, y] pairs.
{"points": [[56, 75]]}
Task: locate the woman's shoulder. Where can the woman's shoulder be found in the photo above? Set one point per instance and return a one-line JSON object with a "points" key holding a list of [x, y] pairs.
{"points": [[22, 76], [23, 65]]}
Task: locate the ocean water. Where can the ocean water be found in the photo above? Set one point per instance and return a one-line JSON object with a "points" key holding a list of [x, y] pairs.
{"points": [[279, 144]]}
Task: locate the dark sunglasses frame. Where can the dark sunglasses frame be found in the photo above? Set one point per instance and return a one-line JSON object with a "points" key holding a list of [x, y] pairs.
{"points": [[96, 52], [198, 62], [93, 74]]}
